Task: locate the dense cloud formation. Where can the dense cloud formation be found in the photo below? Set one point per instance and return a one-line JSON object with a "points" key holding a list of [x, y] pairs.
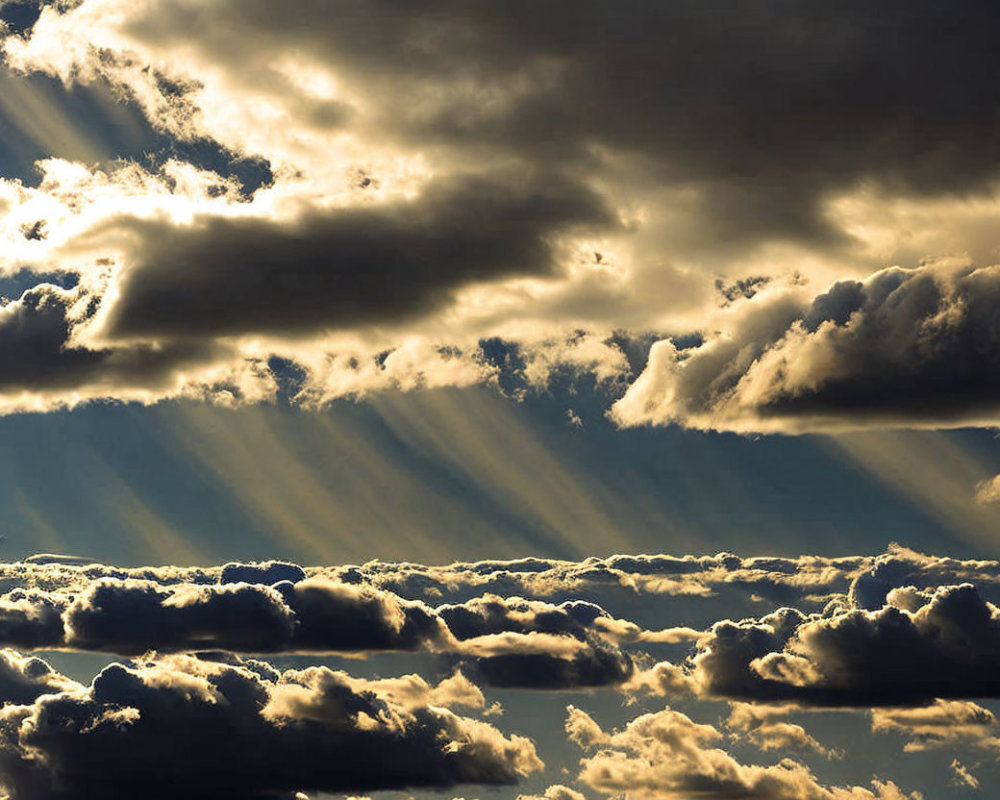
{"points": [[875, 617], [805, 97], [508, 642], [37, 353], [439, 177], [893, 637], [342, 268], [901, 348], [868, 658], [185, 727], [25, 678], [919, 646]]}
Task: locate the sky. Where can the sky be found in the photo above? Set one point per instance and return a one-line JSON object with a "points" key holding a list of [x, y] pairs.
{"points": [[499, 401]]}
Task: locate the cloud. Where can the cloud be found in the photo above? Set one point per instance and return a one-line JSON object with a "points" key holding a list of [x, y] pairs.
{"points": [[851, 657], [341, 616], [663, 679], [336, 269], [767, 729], [988, 492], [40, 359], [130, 617], [962, 775], [243, 730], [722, 664], [267, 573], [526, 83], [944, 724], [443, 177], [25, 678], [668, 754], [544, 661], [508, 642], [903, 348], [555, 792]]}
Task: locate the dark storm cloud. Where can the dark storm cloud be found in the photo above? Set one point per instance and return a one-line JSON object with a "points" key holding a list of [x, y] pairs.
{"points": [[766, 105], [267, 573], [902, 348], [36, 352], [131, 617], [596, 665], [181, 727], [25, 678], [341, 268]]}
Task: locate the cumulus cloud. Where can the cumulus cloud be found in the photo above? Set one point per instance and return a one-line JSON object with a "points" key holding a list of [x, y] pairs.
{"points": [[668, 754], [244, 730], [41, 364], [852, 657], [902, 348], [132, 616], [663, 679], [855, 648], [988, 492], [508, 642], [555, 792], [25, 678]]}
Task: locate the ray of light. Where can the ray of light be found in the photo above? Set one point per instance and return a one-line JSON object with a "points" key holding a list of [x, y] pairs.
{"points": [[40, 528], [32, 119], [933, 470], [480, 435], [162, 541], [320, 485]]}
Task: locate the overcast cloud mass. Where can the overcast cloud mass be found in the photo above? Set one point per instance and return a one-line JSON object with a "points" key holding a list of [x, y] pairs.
{"points": [[507, 400]]}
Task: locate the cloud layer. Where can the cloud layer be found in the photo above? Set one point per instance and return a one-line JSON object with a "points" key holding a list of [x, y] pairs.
{"points": [[198, 728], [436, 179], [251, 656]]}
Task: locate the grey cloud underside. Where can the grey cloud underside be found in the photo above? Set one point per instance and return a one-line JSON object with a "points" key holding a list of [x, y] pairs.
{"points": [[334, 270], [901, 348], [164, 729], [543, 123], [945, 644], [244, 728], [317, 615], [919, 345], [765, 105], [834, 652], [36, 353]]}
